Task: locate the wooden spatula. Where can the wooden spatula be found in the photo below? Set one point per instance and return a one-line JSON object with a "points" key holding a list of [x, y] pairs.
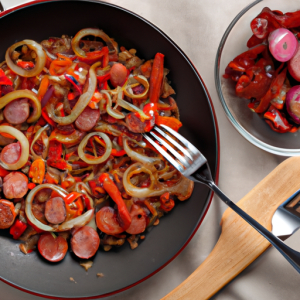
{"points": [[239, 244]]}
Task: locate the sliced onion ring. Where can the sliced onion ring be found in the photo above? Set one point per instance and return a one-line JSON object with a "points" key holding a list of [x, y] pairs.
{"points": [[142, 80], [90, 31], [24, 147], [39, 62], [182, 188], [112, 112], [97, 160], [137, 156], [81, 104], [36, 104], [76, 222]]}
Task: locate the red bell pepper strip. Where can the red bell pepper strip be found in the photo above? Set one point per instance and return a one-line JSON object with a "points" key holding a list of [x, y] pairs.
{"points": [[17, 229], [246, 59], [72, 197], [4, 80], [272, 92], [27, 65], [31, 185], [92, 57], [3, 172], [114, 193], [172, 122], [59, 164], [156, 78], [166, 203], [256, 82], [55, 150], [150, 110], [277, 122], [115, 152], [47, 118]]}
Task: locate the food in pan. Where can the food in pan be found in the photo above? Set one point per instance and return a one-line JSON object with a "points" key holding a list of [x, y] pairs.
{"points": [[268, 74], [75, 171]]}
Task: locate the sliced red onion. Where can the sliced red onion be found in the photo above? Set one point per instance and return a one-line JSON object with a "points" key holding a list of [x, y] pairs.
{"points": [[47, 96]]}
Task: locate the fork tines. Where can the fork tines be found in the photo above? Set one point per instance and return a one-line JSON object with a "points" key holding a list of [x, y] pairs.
{"points": [[184, 156]]}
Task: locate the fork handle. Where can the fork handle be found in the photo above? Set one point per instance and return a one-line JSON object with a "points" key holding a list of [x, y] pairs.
{"points": [[290, 255]]}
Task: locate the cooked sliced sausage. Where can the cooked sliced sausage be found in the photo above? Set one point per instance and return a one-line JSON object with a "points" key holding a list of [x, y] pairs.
{"points": [[87, 119], [15, 185], [55, 210], [118, 74], [11, 153], [134, 123], [85, 242], [17, 111], [138, 220], [106, 220], [52, 249], [6, 215]]}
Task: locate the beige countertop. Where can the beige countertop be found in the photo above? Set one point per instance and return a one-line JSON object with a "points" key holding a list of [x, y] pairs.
{"points": [[197, 27]]}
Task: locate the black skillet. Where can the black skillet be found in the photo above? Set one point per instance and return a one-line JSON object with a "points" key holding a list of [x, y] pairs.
{"points": [[123, 267]]}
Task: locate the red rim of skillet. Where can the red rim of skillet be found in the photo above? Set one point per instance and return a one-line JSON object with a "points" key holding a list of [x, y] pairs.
{"points": [[209, 136]]}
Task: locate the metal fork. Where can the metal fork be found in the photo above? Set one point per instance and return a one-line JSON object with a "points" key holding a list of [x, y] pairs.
{"points": [[190, 162]]}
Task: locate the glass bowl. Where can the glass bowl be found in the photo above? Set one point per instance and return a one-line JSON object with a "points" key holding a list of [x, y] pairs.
{"points": [[249, 124]]}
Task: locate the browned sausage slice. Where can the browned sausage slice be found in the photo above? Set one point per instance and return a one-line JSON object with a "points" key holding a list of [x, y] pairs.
{"points": [[53, 249], [106, 220], [11, 153], [85, 242], [6, 215], [138, 220], [15, 185], [55, 210], [17, 111], [87, 119], [134, 123]]}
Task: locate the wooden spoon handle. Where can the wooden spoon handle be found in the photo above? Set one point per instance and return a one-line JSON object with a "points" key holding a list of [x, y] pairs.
{"points": [[239, 244]]}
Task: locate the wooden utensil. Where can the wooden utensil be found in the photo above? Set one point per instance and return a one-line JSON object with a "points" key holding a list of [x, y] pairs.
{"points": [[239, 244]]}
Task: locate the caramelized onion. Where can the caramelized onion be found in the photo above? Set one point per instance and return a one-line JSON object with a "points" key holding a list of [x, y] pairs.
{"points": [[36, 104], [182, 188], [142, 80], [112, 112], [90, 31], [76, 222], [137, 156], [46, 142], [24, 147], [39, 62], [96, 160], [81, 104]]}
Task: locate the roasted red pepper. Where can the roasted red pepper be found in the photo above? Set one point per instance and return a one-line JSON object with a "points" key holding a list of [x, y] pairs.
{"points": [[4, 80], [246, 59], [17, 229], [150, 110], [172, 122], [27, 65], [166, 203], [55, 150], [156, 78], [277, 121], [256, 82], [114, 193], [272, 92], [92, 57]]}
